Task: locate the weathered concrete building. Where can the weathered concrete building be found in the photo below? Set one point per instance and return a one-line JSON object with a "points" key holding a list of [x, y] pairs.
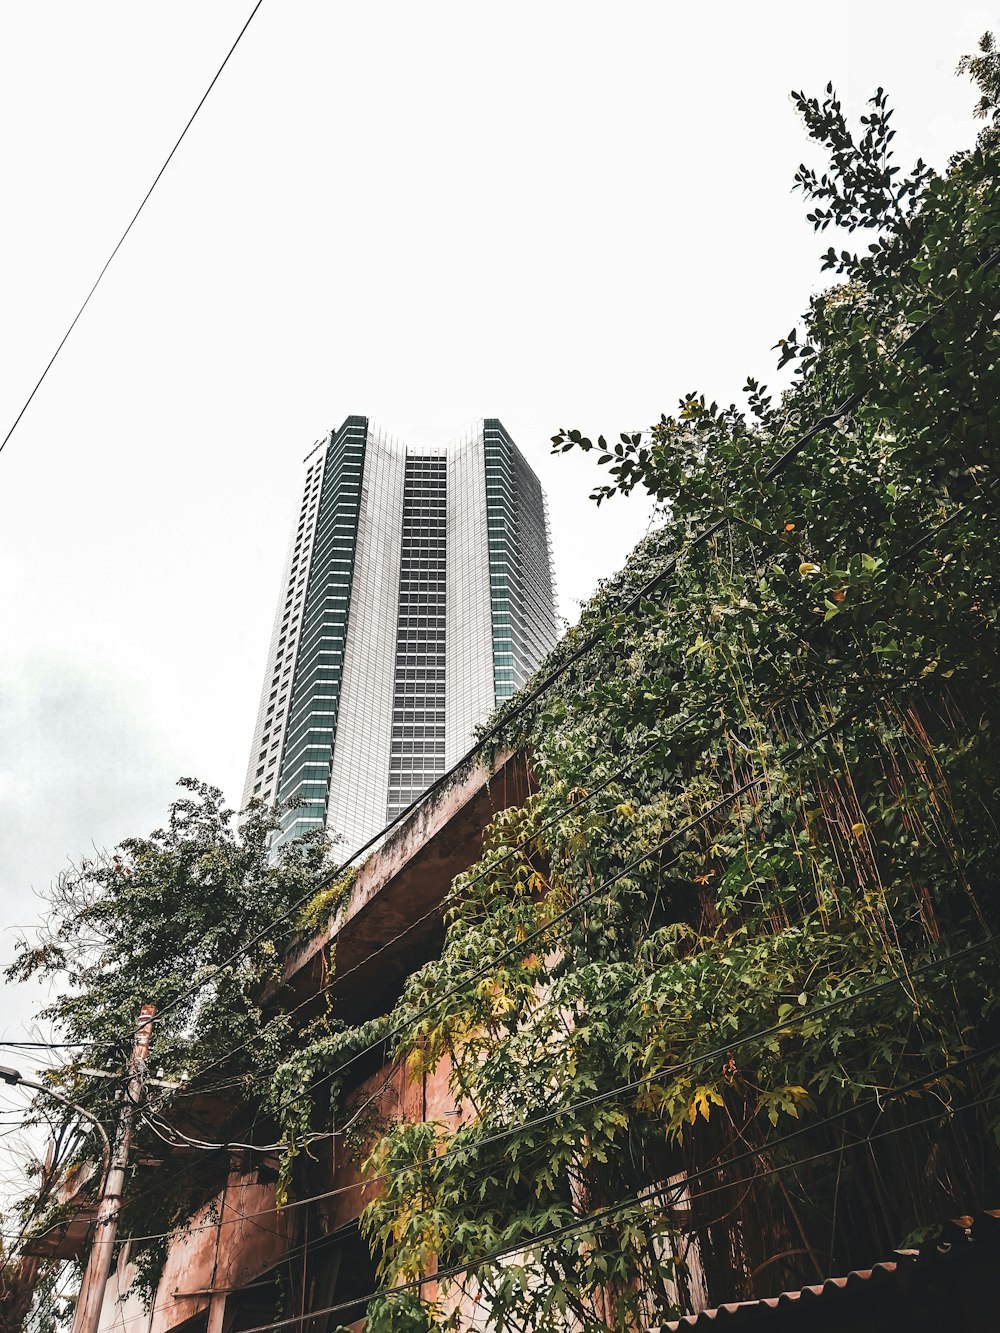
{"points": [[243, 1262], [417, 596], [241, 1257]]}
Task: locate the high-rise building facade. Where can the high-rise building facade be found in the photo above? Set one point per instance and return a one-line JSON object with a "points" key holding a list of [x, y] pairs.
{"points": [[417, 595]]}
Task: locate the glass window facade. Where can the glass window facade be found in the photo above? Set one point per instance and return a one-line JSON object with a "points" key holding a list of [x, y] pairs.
{"points": [[360, 776], [469, 643], [520, 559], [318, 669], [420, 699], [272, 717], [417, 595]]}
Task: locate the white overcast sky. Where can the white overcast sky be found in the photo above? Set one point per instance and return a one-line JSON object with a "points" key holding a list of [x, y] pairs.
{"points": [[558, 213]]}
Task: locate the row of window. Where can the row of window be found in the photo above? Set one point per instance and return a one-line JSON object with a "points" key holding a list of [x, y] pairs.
{"points": [[332, 543], [420, 636]]}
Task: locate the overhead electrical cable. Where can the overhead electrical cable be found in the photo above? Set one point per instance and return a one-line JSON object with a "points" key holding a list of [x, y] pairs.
{"points": [[719, 1053], [537, 691], [182, 1140], [632, 1203], [125, 233], [45, 1045], [941, 1113], [675, 1227]]}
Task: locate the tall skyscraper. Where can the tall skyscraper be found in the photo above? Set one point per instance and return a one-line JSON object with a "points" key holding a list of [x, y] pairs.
{"points": [[417, 596]]}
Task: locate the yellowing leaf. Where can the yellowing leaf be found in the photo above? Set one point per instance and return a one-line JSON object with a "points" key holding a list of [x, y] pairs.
{"points": [[704, 1099]]}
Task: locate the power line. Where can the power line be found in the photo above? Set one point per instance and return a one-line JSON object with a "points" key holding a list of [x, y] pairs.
{"points": [[124, 235], [863, 1142], [435, 911], [670, 1071], [528, 699], [156, 1124], [44, 1045], [632, 1203]]}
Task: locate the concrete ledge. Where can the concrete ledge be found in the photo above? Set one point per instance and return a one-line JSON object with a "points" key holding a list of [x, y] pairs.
{"points": [[391, 921]]}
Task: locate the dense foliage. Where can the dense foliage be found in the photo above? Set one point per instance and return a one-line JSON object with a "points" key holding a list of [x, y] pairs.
{"points": [[718, 1002], [767, 803], [157, 922]]}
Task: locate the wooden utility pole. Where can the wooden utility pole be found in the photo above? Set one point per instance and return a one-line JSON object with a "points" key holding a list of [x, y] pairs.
{"points": [[95, 1277]]}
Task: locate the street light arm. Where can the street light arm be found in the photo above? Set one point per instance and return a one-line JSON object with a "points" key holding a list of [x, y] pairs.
{"points": [[87, 1115]]}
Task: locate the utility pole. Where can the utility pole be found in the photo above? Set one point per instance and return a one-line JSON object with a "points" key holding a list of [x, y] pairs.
{"points": [[95, 1277]]}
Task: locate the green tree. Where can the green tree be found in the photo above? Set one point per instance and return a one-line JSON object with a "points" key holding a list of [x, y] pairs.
{"points": [[770, 788], [159, 921], [766, 804]]}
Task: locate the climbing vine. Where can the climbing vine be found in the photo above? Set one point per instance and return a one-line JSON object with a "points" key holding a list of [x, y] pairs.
{"points": [[766, 803], [718, 1001]]}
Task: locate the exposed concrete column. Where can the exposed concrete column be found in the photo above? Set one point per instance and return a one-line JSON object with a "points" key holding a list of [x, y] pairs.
{"points": [[217, 1313]]}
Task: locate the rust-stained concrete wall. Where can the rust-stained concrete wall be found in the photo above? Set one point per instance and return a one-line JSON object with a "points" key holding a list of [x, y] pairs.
{"points": [[123, 1311], [390, 924], [395, 1092], [230, 1241]]}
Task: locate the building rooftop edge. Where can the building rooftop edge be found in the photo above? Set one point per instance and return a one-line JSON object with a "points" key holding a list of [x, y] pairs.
{"points": [[477, 427]]}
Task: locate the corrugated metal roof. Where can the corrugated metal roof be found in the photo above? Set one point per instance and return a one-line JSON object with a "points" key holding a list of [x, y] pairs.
{"points": [[960, 1236], [724, 1315]]}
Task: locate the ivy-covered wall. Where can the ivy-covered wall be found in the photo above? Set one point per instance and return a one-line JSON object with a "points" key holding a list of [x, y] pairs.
{"points": [[718, 1001], [722, 993]]}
